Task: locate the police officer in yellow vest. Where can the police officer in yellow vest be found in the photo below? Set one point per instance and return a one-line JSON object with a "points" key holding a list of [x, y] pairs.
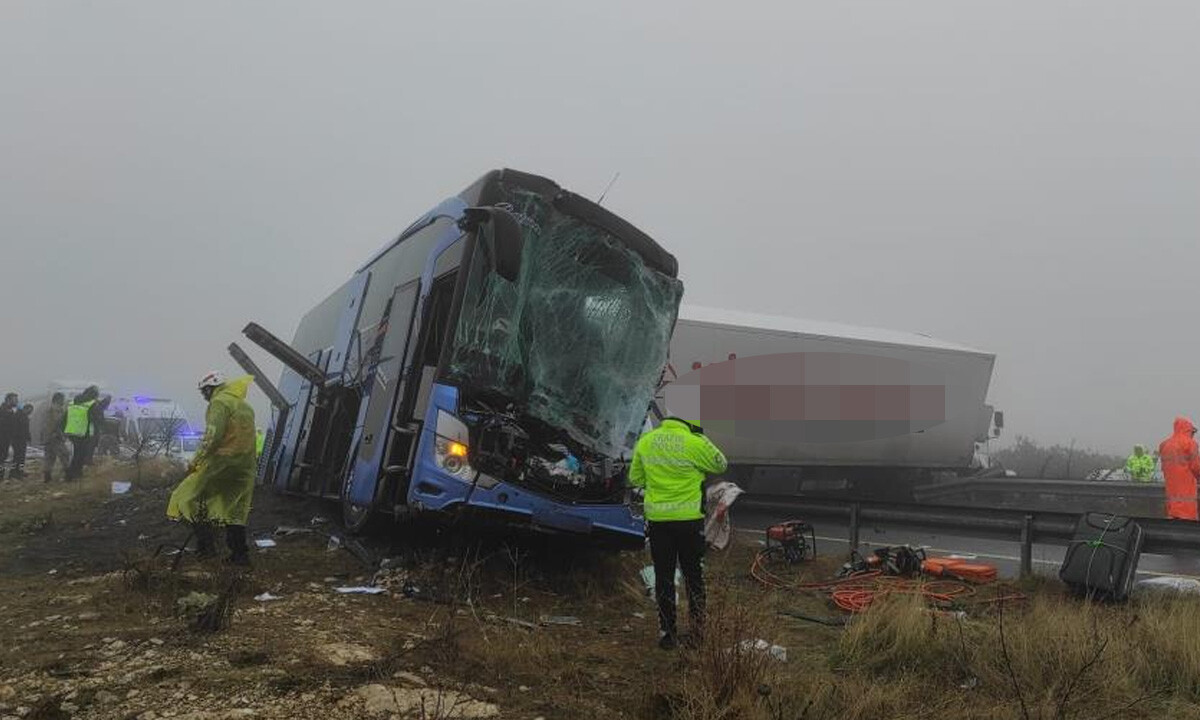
{"points": [[1140, 465], [80, 429], [671, 463]]}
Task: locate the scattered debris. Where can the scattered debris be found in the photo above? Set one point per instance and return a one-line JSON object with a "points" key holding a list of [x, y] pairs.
{"points": [[516, 621], [560, 620], [335, 543], [285, 530], [265, 597], [264, 542], [318, 520], [820, 620], [776, 651], [361, 590], [394, 580], [120, 488], [949, 614]]}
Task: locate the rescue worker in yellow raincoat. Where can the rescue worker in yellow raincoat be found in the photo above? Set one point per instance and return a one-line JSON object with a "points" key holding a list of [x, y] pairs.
{"points": [[220, 481]]}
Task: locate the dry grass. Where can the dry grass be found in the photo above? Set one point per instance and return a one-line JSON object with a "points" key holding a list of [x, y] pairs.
{"points": [[1051, 658], [1057, 658], [727, 676], [1065, 658], [29, 505]]}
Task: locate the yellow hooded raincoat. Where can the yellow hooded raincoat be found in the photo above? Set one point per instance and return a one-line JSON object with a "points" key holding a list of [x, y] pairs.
{"points": [[221, 482]]}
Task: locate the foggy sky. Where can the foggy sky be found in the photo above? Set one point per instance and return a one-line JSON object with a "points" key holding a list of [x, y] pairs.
{"points": [[1021, 177]]}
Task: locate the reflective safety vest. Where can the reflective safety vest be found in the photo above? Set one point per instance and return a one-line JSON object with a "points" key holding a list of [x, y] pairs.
{"points": [[671, 462], [259, 441], [1140, 467], [78, 424]]}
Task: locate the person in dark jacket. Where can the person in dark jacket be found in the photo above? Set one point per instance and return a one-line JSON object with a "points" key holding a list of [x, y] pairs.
{"points": [[8, 426], [99, 426], [54, 440], [20, 441]]}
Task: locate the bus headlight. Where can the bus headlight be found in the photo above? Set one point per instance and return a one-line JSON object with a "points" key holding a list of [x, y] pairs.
{"points": [[451, 456]]}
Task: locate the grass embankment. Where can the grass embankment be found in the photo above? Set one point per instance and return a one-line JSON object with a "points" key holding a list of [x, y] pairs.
{"points": [[106, 636]]}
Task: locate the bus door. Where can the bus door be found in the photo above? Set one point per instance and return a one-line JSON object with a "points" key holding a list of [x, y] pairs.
{"points": [[297, 475], [384, 363]]}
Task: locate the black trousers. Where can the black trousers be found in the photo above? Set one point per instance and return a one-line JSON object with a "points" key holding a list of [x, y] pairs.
{"points": [[678, 542], [78, 454], [90, 449], [19, 450], [5, 443]]}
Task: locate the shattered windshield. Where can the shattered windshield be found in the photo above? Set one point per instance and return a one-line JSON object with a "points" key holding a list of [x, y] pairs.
{"points": [[580, 340]]}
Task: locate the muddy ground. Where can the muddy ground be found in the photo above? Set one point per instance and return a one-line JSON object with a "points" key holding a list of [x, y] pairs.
{"points": [[96, 623], [92, 627]]}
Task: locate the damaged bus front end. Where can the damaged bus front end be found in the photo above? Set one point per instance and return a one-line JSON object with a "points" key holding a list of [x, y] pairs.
{"points": [[499, 357]]}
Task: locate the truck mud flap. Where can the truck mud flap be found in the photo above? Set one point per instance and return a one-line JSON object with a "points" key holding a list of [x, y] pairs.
{"points": [[558, 520]]}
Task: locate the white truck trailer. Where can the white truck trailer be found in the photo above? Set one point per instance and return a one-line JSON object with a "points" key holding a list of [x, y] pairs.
{"points": [[801, 406]]}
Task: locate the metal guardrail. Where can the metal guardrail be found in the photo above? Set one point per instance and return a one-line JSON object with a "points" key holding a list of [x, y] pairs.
{"points": [[1078, 488], [1023, 526]]}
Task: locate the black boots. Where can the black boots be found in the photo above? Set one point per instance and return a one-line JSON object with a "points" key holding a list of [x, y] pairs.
{"points": [[206, 541], [235, 540]]}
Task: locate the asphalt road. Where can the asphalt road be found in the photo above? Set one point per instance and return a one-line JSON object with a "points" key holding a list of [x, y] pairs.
{"points": [[833, 537]]}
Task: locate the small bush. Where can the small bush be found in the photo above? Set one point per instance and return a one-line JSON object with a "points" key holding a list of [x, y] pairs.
{"points": [[726, 677]]}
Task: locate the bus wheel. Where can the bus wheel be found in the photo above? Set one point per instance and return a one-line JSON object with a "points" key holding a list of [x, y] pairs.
{"points": [[358, 519]]}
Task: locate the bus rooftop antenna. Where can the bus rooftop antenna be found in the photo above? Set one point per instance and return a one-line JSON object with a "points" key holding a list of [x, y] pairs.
{"points": [[610, 184]]}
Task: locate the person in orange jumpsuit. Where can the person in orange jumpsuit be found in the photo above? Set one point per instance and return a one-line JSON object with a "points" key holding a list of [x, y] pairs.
{"points": [[1181, 467]]}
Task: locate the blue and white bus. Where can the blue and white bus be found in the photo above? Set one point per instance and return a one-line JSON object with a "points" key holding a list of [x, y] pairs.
{"points": [[500, 355]]}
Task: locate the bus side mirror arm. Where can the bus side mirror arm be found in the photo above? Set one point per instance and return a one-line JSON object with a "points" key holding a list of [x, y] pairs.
{"points": [[499, 235]]}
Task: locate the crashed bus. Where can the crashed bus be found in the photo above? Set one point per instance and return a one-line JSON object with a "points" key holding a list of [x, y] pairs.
{"points": [[499, 357]]}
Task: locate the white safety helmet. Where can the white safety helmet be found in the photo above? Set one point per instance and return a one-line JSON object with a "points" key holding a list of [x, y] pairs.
{"points": [[212, 380]]}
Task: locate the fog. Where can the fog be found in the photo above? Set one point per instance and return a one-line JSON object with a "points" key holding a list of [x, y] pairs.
{"points": [[1017, 177]]}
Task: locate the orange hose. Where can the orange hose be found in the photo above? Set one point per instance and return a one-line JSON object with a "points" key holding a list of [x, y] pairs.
{"points": [[855, 593]]}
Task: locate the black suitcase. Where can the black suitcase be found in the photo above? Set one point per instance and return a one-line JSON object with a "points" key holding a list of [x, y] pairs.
{"points": [[1102, 558]]}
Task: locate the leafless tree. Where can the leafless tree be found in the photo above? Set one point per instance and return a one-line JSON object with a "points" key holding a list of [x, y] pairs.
{"points": [[155, 440], [1028, 458]]}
